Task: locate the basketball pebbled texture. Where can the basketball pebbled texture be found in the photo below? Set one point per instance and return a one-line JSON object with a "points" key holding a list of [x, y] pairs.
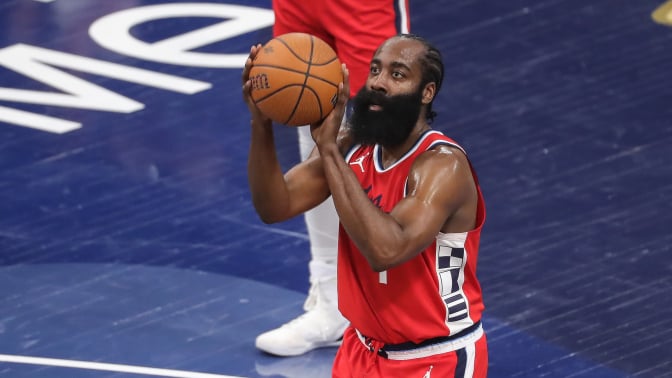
{"points": [[295, 79]]}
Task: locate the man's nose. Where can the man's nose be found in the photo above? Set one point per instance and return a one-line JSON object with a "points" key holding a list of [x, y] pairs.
{"points": [[379, 84]]}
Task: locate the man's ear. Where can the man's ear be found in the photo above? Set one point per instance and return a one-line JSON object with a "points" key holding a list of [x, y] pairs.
{"points": [[428, 92]]}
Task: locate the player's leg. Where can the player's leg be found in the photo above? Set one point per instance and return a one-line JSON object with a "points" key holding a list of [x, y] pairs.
{"points": [[322, 227], [480, 358], [299, 16], [352, 358], [322, 324]]}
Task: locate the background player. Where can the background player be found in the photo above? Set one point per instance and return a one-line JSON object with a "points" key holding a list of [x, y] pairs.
{"points": [[354, 29]]}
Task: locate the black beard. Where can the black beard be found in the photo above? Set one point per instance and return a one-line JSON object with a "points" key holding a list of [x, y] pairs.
{"points": [[390, 126]]}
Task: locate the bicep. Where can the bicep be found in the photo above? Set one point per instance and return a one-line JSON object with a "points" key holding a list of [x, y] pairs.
{"points": [[438, 186]]}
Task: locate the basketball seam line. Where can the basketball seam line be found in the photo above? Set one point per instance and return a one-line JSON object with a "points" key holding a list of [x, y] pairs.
{"points": [[307, 76], [296, 71], [311, 52], [305, 81], [260, 99]]}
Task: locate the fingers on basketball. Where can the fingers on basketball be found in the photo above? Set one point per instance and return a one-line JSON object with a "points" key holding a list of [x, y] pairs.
{"points": [[295, 79]]}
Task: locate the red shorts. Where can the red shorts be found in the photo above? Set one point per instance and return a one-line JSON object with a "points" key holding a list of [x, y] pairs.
{"points": [[355, 360], [353, 28]]}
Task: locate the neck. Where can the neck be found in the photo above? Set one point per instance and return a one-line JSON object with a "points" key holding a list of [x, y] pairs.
{"points": [[390, 155]]}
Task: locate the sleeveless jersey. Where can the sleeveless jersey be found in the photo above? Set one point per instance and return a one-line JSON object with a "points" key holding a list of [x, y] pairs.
{"points": [[434, 294]]}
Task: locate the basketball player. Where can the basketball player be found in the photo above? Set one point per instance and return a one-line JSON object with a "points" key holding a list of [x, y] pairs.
{"points": [[410, 211], [354, 29]]}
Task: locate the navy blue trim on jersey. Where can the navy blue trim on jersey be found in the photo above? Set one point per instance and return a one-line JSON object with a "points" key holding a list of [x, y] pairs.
{"points": [[401, 16], [436, 340], [397, 16], [445, 143], [350, 151], [461, 368], [378, 152]]}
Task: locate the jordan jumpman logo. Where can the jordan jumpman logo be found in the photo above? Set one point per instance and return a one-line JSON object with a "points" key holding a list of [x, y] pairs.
{"points": [[360, 162]]}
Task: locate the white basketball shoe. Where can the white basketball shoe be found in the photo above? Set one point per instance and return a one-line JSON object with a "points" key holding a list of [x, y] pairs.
{"points": [[322, 325]]}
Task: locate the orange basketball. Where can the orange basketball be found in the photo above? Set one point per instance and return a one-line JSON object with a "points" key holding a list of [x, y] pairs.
{"points": [[295, 79]]}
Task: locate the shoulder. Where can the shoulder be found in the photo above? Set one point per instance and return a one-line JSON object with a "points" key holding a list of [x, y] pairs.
{"points": [[444, 166], [443, 155]]}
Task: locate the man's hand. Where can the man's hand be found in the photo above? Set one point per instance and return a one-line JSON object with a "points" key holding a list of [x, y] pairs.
{"points": [[257, 116], [326, 131]]}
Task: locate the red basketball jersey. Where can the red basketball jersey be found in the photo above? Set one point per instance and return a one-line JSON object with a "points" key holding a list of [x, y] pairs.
{"points": [[434, 294]]}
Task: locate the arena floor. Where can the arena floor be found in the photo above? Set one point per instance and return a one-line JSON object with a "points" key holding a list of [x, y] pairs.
{"points": [[129, 246]]}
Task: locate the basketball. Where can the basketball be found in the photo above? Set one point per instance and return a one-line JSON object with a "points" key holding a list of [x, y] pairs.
{"points": [[295, 79]]}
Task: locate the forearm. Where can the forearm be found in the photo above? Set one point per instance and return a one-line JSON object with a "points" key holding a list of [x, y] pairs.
{"points": [[265, 176], [378, 236]]}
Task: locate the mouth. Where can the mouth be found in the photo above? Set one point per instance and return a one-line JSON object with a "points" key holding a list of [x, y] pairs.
{"points": [[375, 107]]}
